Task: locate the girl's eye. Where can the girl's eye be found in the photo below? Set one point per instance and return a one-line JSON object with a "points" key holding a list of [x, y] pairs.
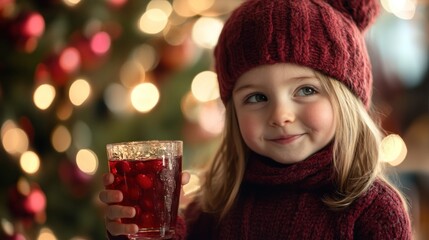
{"points": [[256, 98], [306, 91]]}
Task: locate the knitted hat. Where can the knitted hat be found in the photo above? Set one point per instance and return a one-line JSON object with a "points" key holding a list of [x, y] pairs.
{"points": [[325, 35]]}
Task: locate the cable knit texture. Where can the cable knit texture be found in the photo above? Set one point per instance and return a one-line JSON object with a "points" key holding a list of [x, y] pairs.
{"points": [[325, 35], [284, 202]]}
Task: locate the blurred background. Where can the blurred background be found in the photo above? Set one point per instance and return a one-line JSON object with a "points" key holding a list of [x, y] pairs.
{"points": [[78, 74]]}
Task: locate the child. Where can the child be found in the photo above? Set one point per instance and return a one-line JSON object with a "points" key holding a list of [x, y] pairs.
{"points": [[300, 154]]}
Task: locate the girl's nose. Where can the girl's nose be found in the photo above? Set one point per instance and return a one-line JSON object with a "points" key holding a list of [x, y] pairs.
{"points": [[281, 114]]}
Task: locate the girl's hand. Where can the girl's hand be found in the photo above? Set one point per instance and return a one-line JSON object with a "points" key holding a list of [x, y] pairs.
{"points": [[114, 211]]}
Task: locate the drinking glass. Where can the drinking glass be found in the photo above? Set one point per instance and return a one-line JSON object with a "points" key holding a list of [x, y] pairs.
{"points": [[148, 173]]}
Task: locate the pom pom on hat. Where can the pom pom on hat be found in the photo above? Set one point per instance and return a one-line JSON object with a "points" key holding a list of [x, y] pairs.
{"points": [[325, 35]]}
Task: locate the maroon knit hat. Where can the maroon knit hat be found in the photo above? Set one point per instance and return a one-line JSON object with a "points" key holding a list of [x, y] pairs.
{"points": [[325, 35]]}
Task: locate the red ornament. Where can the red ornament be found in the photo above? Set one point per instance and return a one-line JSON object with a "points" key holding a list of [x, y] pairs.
{"points": [[93, 49], [26, 30], [26, 203], [59, 68]]}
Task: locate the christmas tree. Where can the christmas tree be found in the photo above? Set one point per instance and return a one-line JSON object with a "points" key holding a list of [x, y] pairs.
{"points": [[76, 75]]}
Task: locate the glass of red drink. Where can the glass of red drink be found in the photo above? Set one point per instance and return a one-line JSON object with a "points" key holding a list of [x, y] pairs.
{"points": [[148, 173]]}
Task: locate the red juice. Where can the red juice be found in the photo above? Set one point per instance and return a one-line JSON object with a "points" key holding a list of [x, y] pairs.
{"points": [[152, 187]]}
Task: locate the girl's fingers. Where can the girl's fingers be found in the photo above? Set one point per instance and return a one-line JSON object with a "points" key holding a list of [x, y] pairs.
{"points": [[114, 212], [185, 178], [116, 228], [107, 179], [111, 196]]}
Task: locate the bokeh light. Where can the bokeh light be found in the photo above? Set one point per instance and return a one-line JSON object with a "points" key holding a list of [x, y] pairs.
{"points": [[79, 92], [393, 149], [144, 97], [162, 5], [14, 139], [34, 25], [132, 73], [61, 138], [69, 59], [43, 96], [87, 161], [71, 3], [65, 110], [100, 43], [205, 86], [182, 8], [46, 234], [146, 55], [211, 117], [7, 227], [29, 162], [36, 201], [206, 31], [153, 21], [199, 6], [115, 97], [404, 9]]}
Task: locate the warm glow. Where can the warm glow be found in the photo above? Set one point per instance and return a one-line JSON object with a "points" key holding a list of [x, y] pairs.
{"points": [[79, 92], [100, 43], [43, 96], [69, 59], [132, 73], [205, 32], [71, 3], [162, 5], [46, 234], [15, 140], [153, 21], [146, 55], [393, 150], [61, 138], [115, 97], [205, 86], [87, 161], [144, 97], [29, 162]]}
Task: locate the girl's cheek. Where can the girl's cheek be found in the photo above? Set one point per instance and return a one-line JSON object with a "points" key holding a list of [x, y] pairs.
{"points": [[320, 115]]}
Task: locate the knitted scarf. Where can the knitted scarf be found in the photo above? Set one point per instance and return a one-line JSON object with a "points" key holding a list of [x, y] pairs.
{"points": [[312, 173], [274, 196]]}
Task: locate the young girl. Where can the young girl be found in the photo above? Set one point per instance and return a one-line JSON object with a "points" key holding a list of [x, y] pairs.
{"points": [[300, 154]]}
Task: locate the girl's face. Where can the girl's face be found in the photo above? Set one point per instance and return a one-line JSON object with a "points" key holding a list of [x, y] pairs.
{"points": [[283, 112]]}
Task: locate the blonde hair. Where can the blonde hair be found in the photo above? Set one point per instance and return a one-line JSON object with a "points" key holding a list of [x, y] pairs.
{"points": [[356, 167]]}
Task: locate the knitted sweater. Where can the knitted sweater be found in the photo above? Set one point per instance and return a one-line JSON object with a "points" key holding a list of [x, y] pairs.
{"points": [[284, 202]]}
